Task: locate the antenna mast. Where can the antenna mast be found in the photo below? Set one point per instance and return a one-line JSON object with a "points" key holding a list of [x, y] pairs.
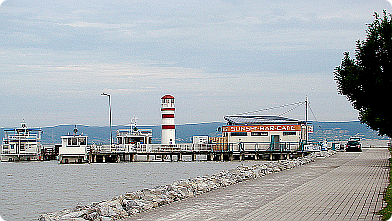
{"points": [[133, 123], [306, 118]]}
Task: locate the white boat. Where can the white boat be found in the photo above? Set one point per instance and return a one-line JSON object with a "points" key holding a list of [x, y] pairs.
{"points": [[21, 144], [130, 140], [133, 139], [74, 148]]}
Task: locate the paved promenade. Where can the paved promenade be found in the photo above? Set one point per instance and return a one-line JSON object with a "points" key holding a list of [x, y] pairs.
{"points": [[346, 186]]}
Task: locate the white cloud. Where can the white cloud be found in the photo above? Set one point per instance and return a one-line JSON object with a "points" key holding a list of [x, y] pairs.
{"points": [[230, 56]]}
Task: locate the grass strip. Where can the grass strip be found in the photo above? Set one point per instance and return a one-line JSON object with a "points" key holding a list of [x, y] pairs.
{"points": [[387, 211]]}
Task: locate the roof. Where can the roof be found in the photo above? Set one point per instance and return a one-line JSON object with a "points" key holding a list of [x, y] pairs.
{"points": [[167, 96], [257, 119], [24, 128], [74, 135]]}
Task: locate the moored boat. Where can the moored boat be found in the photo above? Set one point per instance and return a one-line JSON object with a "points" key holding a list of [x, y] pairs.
{"points": [[74, 148], [21, 144], [133, 139]]}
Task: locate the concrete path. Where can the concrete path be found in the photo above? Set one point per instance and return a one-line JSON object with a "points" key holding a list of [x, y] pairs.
{"points": [[346, 186]]}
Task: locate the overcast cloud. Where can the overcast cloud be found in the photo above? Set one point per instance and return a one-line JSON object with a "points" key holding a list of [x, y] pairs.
{"points": [[215, 57]]}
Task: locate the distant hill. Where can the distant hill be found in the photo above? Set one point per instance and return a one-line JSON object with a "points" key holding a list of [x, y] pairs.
{"points": [[342, 131], [185, 132], [101, 135]]}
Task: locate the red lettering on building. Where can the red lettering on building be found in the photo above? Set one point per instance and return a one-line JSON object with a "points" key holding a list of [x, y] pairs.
{"points": [[261, 128]]}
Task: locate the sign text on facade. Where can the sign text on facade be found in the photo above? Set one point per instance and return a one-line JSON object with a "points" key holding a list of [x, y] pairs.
{"points": [[261, 128]]}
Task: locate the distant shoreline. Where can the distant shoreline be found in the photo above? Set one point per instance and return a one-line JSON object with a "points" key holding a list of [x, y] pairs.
{"points": [[184, 132]]}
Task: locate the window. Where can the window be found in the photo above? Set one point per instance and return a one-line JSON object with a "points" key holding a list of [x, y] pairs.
{"points": [[259, 134], [287, 133], [238, 134], [168, 101], [82, 141], [22, 147], [74, 141]]}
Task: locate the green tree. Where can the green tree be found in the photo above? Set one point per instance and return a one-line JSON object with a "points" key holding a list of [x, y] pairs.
{"points": [[367, 80]]}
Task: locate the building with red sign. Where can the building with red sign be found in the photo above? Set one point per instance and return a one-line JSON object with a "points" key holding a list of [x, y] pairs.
{"points": [[267, 131]]}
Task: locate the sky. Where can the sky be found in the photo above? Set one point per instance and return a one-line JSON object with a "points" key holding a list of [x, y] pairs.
{"points": [[216, 57]]}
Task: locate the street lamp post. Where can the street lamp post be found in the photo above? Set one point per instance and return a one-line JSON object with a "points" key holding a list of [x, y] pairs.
{"points": [[110, 117]]}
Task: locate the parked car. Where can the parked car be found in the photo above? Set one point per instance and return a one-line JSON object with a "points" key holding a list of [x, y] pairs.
{"points": [[353, 146]]}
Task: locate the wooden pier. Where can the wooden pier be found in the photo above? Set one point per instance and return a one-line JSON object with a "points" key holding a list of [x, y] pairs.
{"points": [[192, 152]]}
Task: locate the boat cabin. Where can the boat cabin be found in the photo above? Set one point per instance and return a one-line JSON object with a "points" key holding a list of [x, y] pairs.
{"points": [[130, 140], [21, 144], [74, 148]]}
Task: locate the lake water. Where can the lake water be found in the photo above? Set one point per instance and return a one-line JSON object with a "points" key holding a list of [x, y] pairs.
{"points": [[28, 189]]}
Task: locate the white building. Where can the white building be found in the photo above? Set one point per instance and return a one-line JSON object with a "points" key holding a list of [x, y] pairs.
{"points": [[200, 139], [245, 132]]}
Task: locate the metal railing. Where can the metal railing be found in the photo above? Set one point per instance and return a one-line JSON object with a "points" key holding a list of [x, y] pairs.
{"points": [[34, 148], [22, 136], [264, 146], [189, 147]]}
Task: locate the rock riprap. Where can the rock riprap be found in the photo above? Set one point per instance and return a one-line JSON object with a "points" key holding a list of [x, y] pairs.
{"points": [[126, 205]]}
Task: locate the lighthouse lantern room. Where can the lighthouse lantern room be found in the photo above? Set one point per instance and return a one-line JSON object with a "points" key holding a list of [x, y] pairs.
{"points": [[168, 126]]}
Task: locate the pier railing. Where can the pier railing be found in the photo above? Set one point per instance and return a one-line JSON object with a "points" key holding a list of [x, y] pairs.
{"points": [[264, 146], [173, 148], [189, 147], [30, 137], [100, 148]]}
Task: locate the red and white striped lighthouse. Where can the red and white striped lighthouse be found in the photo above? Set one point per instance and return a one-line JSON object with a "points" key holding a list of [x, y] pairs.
{"points": [[168, 126]]}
